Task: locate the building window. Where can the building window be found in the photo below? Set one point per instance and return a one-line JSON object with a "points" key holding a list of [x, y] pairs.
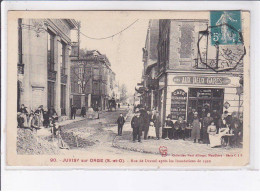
{"points": [[186, 40], [50, 54], [96, 89], [51, 94], [96, 73], [20, 48], [63, 59], [63, 99]]}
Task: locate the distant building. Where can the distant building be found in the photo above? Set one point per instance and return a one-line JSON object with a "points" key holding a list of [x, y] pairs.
{"points": [[92, 81], [44, 63]]}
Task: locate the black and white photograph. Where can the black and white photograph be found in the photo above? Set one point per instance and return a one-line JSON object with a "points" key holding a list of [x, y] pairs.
{"points": [[128, 88]]}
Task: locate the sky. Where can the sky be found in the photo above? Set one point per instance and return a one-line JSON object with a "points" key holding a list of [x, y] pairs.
{"points": [[124, 51]]}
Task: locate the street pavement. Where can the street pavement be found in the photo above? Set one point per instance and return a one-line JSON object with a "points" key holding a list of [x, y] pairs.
{"points": [[100, 136]]}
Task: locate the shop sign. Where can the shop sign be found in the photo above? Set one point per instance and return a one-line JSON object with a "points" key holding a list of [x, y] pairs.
{"points": [[178, 104], [201, 80]]}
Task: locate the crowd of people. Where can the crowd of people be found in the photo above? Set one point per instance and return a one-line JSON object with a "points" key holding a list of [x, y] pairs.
{"points": [[36, 119], [208, 127]]}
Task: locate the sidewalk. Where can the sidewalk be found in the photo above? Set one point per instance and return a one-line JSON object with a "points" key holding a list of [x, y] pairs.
{"points": [[152, 146]]}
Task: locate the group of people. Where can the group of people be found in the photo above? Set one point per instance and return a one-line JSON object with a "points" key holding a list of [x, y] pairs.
{"points": [[206, 127], [215, 129], [36, 119], [147, 122]]}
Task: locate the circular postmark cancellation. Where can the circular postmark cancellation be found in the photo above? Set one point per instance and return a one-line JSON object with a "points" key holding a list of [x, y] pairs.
{"points": [[226, 49]]}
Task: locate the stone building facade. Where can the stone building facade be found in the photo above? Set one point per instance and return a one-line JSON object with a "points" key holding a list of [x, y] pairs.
{"points": [[92, 81], [44, 64], [192, 73]]}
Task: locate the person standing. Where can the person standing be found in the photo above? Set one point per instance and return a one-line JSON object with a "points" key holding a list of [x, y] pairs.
{"points": [[228, 118], [83, 111], [73, 112], [24, 120], [205, 123], [190, 116], [38, 114], [145, 123], [196, 125], [235, 127], [135, 124], [157, 125], [120, 122], [215, 115]]}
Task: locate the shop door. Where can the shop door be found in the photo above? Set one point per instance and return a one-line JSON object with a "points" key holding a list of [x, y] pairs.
{"points": [[208, 98]]}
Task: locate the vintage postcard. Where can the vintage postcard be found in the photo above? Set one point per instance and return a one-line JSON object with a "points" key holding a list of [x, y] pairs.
{"points": [[128, 89]]}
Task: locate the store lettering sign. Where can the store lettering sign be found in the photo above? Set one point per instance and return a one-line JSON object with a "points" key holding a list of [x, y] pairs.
{"points": [[178, 104], [201, 80]]}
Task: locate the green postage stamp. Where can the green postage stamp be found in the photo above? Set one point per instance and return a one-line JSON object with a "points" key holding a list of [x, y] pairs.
{"points": [[225, 27]]}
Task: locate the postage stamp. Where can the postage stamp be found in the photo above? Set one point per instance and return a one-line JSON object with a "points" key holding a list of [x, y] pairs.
{"points": [[128, 89], [226, 27]]}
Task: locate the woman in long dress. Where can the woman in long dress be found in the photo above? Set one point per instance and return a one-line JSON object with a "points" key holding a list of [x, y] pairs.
{"points": [[196, 125], [214, 138]]}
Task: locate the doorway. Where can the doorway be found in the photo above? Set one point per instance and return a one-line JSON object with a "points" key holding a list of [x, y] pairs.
{"points": [[208, 98]]}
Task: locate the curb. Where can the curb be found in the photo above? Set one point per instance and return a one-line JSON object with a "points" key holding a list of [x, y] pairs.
{"points": [[115, 145]]}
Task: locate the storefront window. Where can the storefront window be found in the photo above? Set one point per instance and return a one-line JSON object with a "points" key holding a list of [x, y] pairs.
{"points": [[206, 98]]}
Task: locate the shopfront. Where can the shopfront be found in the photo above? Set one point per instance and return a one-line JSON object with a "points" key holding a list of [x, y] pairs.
{"points": [[209, 91]]}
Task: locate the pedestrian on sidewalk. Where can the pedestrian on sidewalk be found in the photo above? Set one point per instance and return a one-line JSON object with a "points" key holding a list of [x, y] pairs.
{"points": [[83, 111], [196, 126], [120, 122], [157, 124], [135, 124], [145, 123], [73, 112]]}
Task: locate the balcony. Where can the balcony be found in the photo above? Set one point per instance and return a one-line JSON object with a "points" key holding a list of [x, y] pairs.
{"points": [[52, 75], [20, 68]]}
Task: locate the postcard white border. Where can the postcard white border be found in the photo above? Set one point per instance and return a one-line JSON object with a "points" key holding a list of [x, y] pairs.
{"points": [[25, 179]]}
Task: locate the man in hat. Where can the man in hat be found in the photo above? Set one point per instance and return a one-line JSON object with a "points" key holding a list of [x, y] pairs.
{"points": [[135, 124], [120, 122], [196, 126], [145, 122]]}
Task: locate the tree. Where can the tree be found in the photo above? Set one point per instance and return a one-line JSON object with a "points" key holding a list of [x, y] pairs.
{"points": [[123, 93], [82, 73]]}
